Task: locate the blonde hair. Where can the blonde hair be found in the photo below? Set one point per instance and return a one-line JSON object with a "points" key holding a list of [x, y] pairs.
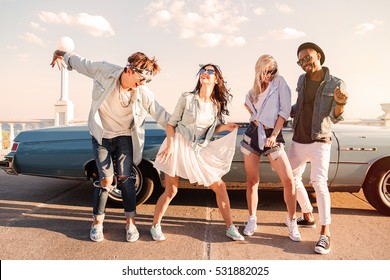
{"points": [[262, 64]]}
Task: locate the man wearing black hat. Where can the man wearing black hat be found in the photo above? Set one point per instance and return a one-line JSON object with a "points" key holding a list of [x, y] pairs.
{"points": [[320, 104]]}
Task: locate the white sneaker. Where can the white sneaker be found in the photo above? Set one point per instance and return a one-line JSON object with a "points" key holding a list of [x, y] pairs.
{"points": [[132, 233], [157, 233], [250, 226], [234, 234], [293, 229], [96, 233]]}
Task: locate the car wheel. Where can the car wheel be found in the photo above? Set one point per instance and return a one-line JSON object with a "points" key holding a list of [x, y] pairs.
{"points": [[376, 187], [143, 188]]}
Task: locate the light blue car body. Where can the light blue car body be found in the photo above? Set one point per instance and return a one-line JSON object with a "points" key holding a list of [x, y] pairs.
{"points": [[360, 158]]}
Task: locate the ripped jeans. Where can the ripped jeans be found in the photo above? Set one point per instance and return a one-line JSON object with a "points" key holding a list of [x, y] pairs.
{"points": [[118, 151]]}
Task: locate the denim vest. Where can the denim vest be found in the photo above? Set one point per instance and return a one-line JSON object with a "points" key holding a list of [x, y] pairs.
{"points": [[324, 104]]}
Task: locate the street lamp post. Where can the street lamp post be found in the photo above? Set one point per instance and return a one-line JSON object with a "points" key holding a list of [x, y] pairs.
{"points": [[64, 107]]}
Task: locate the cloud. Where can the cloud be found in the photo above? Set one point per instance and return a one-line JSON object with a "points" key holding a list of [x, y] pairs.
{"points": [[36, 26], [95, 25], [283, 8], [286, 34], [32, 38], [209, 23], [363, 28], [210, 39], [259, 11], [235, 41]]}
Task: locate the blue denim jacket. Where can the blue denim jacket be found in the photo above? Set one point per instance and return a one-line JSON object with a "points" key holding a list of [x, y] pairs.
{"points": [[185, 120], [105, 77], [324, 104]]}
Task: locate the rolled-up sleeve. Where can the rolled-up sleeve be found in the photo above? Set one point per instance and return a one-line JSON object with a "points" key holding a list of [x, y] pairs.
{"points": [[89, 68], [178, 112], [285, 99]]}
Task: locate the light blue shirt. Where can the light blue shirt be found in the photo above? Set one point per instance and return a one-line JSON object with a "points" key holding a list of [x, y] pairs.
{"points": [[276, 103], [185, 120]]}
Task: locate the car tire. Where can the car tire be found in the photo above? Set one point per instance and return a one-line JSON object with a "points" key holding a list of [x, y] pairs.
{"points": [[376, 187], [143, 188]]}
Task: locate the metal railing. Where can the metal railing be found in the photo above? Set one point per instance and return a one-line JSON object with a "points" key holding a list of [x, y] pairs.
{"points": [[13, 127]]}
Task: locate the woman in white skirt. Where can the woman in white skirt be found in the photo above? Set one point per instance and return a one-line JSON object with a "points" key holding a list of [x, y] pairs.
{"points": [[188, 151]]}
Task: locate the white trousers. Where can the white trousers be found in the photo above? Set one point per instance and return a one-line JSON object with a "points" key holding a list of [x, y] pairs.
{"points": [[318, 154]]}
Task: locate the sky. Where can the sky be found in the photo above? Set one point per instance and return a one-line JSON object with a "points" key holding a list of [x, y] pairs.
{"points": [[181, 34]]}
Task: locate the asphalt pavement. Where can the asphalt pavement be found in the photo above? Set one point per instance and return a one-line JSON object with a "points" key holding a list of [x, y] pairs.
{"points": [[49, 219]]}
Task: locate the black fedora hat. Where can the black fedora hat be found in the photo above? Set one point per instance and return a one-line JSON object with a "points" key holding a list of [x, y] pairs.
{"points": [[310, 45]]}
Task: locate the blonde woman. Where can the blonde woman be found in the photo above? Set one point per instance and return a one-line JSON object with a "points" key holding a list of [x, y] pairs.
{"points": [[269, 104]]}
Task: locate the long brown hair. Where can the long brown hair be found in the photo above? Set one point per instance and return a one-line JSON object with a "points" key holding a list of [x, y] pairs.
{"points": [[221, 94]]}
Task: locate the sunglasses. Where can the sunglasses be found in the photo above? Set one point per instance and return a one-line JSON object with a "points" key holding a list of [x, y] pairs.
{"points": [[272, 72], [304, 60], [146, 75], [208, 71]]}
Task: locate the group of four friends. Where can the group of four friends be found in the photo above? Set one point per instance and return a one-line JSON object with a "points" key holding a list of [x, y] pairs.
{"points": [[121, 102]]}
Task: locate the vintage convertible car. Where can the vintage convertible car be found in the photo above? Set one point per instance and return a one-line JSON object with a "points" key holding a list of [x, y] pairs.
{"points": [[360, 159]]}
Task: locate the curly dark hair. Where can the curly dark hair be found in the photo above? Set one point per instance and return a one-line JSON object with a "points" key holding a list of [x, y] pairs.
{"points": [[221, 94]]}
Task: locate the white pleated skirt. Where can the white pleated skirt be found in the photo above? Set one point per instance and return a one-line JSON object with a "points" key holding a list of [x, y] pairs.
{"points": [[204, 167]]}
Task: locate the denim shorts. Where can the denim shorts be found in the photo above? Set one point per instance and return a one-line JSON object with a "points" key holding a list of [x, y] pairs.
{"points": [[250, 141]]}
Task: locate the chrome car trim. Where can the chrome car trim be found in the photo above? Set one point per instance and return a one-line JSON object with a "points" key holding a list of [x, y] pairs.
{"points": [[8, 166], [353, 149]]}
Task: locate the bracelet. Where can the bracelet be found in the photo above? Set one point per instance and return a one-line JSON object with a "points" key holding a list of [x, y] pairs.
{"points": [[275, 133], [341, 104]]}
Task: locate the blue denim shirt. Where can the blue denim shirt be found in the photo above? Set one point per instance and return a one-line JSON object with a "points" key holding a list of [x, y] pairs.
{"points": [[105, 78], [185, 120], [324, 104]]}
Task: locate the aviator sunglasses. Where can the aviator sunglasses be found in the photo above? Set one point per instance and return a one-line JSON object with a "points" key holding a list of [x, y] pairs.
{"points": [[208, 71], [145, 75]]}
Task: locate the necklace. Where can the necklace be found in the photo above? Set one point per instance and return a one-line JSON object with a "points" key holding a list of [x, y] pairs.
{"points": [[121, 101]]}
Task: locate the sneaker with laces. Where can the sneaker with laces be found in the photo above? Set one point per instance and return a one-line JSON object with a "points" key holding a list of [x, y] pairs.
{"points": [[293, 231], [132, 233], [250, 226], [157, 233], [96, 233], [323, 245], [233, 233], [302, 222]]}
